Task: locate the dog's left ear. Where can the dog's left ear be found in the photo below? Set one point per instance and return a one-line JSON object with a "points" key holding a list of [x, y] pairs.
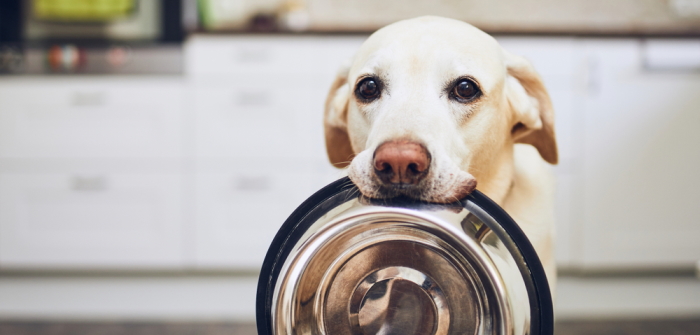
{"points": [[338, 146], [529, 100]]}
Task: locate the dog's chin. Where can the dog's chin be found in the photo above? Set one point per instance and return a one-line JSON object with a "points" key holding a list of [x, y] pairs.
{"points": [[400, 190]]}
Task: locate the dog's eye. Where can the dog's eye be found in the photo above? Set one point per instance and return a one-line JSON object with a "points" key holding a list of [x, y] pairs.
{"points": [[367, 89], [465, 90]]}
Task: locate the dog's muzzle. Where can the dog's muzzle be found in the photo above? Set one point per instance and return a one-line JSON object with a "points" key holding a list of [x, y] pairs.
{"points": [[404, 168], [344, 264]]}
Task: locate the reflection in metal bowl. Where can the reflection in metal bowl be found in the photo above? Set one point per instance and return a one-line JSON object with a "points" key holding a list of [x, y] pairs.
{"points": [[343, 264]]}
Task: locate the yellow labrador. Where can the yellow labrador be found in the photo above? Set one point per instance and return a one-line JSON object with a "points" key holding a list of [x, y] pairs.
{"points": [[432, 106]]}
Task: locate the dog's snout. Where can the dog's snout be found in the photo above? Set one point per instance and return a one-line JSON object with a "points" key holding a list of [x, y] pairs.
{"points": [[401, 162]]}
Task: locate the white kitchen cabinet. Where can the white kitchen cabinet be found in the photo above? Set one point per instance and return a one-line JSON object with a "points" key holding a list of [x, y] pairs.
{"points": [[268, 56], [240, 208], [278, 117], [90, 221], [640, 157], [259, 147], [91, 172], [42, 117]]}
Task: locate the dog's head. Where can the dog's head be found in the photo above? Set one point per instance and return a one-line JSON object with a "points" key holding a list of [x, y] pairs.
{"points": [[431, 105]]}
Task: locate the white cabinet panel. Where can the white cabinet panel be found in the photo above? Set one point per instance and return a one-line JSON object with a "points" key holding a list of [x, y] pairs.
{"points": [[260, 118], [551, 56], [90, 220], [641, 157], [90, 117], [267, 55], [566, 214], [239, 212]]}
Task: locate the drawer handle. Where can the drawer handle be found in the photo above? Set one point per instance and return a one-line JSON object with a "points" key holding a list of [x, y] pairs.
{"points": [[88, 99], [253, 56], [252, 184], [89, 183], [253, 99], [671, 55]]}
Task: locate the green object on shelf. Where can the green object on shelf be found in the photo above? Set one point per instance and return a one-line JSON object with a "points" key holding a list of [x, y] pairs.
{"points": [[204, 8], [230, 14], [82, 10]]}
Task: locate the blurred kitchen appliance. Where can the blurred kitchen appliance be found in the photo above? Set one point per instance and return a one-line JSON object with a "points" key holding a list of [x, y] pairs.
{"points": [[91, 36], [344, 264]]}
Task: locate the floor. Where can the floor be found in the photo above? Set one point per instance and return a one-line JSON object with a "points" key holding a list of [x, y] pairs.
{"points": [[629, 327], [617, 327]]}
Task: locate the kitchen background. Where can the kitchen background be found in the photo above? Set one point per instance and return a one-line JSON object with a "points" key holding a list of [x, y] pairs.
{"points": [[149, 150]]}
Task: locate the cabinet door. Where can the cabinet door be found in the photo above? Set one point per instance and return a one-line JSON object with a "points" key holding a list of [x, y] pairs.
{"points": [[91, 118], [259, 145], [228, 56], [254, 117], [640, 160], [240, 208], [90, 221]]}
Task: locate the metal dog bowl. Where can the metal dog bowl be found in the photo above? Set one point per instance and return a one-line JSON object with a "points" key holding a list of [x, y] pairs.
{"points": [[344, 264]]}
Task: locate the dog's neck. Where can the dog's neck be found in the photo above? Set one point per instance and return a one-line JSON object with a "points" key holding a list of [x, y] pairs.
{"points": [[497, 181]]}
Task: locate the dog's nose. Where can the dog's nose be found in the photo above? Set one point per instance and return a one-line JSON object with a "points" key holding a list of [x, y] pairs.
{"points": [[401, 162]]}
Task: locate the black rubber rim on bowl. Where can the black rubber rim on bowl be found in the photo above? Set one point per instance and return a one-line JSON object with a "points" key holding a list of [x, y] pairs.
{"points": [[542, 313]]}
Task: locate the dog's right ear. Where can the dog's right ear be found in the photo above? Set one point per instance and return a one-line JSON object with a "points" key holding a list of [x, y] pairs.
{"points": [[335, 118], [532, 106]]}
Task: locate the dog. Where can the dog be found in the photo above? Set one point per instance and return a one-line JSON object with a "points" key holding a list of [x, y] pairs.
{"points": [[431, 107]]}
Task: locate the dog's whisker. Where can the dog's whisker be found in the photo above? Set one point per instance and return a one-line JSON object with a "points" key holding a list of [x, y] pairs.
{"points": [[352, 194]]}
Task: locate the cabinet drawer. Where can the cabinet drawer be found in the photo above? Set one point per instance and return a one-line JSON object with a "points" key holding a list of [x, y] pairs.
{"points": [[641, 185], [260, 120], [90, 221], [90, 118], [238, 213], [260, 55], [551, 56]]}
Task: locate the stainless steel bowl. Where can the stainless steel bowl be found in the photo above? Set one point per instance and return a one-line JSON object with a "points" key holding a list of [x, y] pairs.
{"points": [[345, 264]]}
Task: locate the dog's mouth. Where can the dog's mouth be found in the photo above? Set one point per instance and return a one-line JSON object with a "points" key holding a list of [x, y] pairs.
{"points": [[400, 190], [443, 182], [432, 189]]}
